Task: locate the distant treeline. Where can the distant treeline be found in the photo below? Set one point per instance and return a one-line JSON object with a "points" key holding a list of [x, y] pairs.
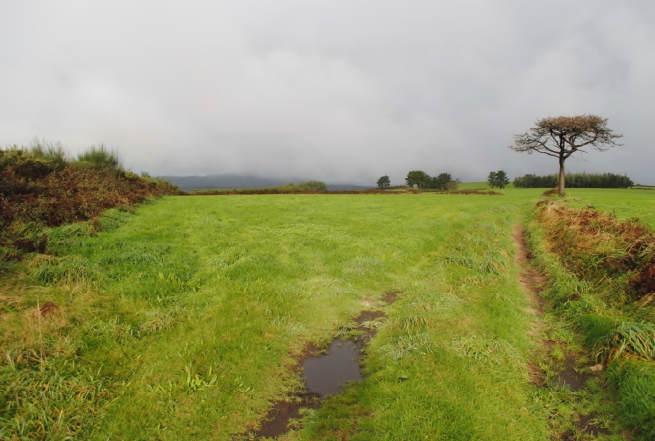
{"points": [[575, 180], [283, 189], [302, 188]]}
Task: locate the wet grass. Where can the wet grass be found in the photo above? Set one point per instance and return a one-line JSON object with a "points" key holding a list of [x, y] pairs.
{"points": [[598, 319], [185, 320]]}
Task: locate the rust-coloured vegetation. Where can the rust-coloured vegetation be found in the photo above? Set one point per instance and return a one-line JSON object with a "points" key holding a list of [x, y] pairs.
{"points": [[595, 245], [37, 192]]}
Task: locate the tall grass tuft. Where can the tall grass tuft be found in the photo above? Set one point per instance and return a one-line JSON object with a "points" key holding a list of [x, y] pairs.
{"points": [[51, 152], [628, 341], [635, 383], [100, 158]]}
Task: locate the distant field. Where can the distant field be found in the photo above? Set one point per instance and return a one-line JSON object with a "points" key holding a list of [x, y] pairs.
{"points": [[625, 203], [192, 311]]}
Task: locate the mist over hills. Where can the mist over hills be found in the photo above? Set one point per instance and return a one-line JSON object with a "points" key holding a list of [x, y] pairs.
{"points": [[189, 183]]}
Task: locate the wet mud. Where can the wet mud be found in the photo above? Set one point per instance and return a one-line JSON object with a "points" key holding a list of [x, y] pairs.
{"points": [[569, 376], [326, 372], [588, 425]]}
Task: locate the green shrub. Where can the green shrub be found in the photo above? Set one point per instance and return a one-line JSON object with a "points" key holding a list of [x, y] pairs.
{"points": [[23, 165], [314, 185]]}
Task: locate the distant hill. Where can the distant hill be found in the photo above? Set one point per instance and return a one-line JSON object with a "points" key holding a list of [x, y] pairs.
{"points": [[189, 183], [344, 187]]}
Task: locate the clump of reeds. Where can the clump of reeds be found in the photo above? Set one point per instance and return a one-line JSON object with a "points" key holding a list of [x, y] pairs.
{"points": [[627, 341]]}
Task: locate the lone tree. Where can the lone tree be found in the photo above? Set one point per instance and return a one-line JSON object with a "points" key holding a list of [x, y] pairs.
{"points": [[384, 182], [498, 179], [563, 136]]}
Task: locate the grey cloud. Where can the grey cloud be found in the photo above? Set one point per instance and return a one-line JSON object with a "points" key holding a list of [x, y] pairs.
{"points": [[335, 90]]}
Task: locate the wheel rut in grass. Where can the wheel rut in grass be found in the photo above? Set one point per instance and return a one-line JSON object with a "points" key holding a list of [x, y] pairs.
{"points": [[532, 282], [325, 372]]}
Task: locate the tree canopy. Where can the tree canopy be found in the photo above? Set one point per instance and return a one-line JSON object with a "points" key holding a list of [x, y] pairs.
{"points": [[384, 182], [562, 136], [498, 179], [417, 178]]}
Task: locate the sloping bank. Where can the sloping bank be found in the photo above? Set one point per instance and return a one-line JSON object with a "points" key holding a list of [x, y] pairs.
{"points": [[601, 294]]}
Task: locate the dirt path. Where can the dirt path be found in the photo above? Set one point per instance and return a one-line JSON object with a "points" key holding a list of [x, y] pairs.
{"points": [[531, 280]]}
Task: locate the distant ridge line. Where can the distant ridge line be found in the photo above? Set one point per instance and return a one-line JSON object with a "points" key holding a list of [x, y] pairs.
{"points": [[230, 181]]}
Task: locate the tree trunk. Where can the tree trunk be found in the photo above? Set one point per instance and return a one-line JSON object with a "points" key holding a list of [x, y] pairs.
{"points": [[561, 183]]}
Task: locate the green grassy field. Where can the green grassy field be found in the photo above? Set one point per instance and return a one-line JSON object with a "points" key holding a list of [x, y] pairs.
{"points": [[185, 319]]}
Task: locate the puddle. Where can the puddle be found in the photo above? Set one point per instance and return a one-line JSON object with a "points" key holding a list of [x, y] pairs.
{"points": [[587, 425], [569, 376], [326, 373]]}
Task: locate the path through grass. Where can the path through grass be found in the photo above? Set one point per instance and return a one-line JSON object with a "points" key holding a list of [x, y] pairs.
{"points": [[184, 320]]}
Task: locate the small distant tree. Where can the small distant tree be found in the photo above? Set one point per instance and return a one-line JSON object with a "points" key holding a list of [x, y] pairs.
{"points": [[441, 181], [452, 185], [498, 179], [418, 178], [562, 136], [491, 179], [314, 185], [384, 182]]}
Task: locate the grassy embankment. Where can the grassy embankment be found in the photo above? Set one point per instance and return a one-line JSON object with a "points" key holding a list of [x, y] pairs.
{"points": [[183, 321], [602, 272], [43, 186]]}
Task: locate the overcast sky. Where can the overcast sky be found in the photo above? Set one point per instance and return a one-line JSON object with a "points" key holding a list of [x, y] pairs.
{"points": [[337, 90]]}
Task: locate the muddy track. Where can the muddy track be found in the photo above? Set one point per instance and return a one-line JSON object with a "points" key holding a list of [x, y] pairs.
{"points": [[531, 280]]}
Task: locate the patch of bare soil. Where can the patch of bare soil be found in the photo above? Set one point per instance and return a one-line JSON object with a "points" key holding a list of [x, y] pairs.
{"points": [[45, 309], [531, 280]]}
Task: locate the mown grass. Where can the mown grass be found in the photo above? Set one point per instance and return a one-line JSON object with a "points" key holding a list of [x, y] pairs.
{"points": [[184, 320]]}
